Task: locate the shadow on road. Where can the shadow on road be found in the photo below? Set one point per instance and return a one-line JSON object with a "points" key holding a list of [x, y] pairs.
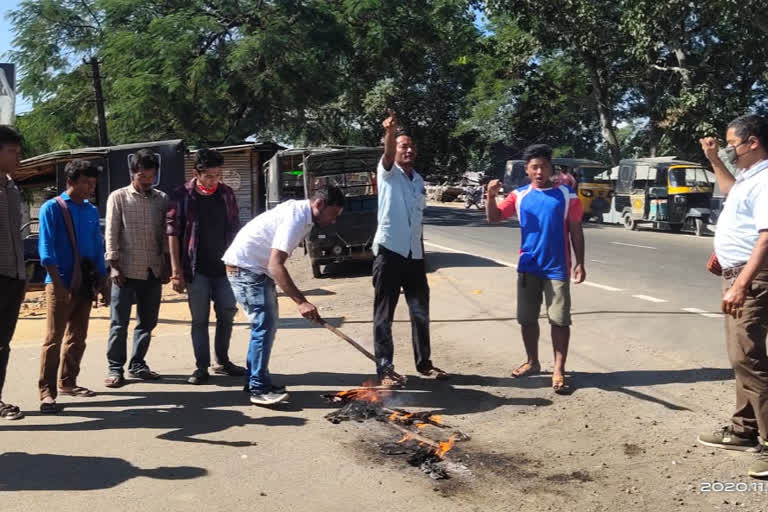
{"points": [[437, 260], [183, 415], [619, 381], [20, 471]]}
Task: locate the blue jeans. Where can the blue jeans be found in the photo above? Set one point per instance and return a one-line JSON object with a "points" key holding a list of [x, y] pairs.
{"points": [[146, 293], [257, 295], [200, 292]]}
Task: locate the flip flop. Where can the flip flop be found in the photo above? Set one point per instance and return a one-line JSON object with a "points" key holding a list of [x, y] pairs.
{"points": [[526, 369], [78, 391], [437, 373], [561, 386], [10, 412]]}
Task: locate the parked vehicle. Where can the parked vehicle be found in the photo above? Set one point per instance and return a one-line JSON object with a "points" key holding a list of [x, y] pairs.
{"points": [[664, 192], [715, 206], [473, 196], [350, 239], [593, 189]]}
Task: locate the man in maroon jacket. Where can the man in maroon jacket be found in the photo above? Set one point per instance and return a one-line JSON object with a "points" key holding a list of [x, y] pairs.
{"points": [[203, 219]]}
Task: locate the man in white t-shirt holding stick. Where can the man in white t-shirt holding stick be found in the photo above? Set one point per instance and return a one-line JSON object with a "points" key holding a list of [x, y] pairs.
{"points": [[255, 263]]}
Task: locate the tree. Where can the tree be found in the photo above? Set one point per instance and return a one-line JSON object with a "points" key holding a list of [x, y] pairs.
{"points": [[586, 32]]}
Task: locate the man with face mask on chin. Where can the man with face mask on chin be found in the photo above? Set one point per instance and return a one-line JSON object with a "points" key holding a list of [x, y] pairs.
{"points": [[741, 247]]}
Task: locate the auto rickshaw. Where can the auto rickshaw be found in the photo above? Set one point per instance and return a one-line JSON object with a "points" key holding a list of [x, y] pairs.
{"points": [[593, 189], [664, 192]]}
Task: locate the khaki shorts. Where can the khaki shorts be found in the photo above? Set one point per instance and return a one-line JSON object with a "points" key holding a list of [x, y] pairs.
{"points": [[531, 289]]}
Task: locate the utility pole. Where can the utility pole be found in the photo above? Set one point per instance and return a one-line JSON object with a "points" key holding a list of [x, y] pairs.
{"points": [[102, 118]]}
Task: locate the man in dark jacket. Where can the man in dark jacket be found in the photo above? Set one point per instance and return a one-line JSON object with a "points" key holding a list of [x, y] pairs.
{"points": [[203, 219]]}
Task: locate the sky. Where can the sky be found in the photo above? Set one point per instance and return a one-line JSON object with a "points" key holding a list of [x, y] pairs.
{"points": [[6, 44]]}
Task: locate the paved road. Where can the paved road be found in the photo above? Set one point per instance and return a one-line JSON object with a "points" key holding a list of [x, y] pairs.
{"points": [[656, 266]]}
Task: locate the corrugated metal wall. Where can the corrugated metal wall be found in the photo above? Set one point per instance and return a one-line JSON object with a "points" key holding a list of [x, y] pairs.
{"points": [[237, 174]]}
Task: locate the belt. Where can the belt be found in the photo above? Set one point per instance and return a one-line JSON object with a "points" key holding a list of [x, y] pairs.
{"points": [[232, 269], [733, 272]]}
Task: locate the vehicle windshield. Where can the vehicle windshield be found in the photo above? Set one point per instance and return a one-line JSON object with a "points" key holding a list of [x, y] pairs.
{"points": [[593, 175], [690, 177], [359, 188]]}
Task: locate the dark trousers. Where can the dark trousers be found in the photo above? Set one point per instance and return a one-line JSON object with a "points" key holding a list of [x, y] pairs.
{"points": [[745, 339], [391, 272], [11, 297], [64, 345], [146, 294]]}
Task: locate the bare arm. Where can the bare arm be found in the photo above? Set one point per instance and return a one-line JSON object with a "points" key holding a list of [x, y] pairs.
{"points": [[390, 141], [491, 207], [725, 179], [577, 239], [276, 269]]}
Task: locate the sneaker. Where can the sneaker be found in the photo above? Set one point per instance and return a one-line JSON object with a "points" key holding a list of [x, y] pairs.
{"points": [[276, 388], [727, 439], [268, 398], [229, 368], [759, 468], [198, 377]]}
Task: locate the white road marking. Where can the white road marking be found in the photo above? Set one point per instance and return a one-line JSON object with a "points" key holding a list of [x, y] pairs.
{"points": [[703, 313], [634, 245], [650, 299], [599, 261], [513, 265], [449, 249], [602, 286]]}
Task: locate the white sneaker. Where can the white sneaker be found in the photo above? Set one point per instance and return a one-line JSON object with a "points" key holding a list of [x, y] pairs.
{"points": [[268, 398]]}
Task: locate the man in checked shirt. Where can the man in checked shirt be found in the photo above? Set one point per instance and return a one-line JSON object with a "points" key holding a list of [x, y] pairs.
{"points": [[137, 251]]}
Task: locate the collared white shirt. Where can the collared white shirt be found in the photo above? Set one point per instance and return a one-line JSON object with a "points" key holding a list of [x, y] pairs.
{"points": [[282, 228], [401, 212], [744, 215]]}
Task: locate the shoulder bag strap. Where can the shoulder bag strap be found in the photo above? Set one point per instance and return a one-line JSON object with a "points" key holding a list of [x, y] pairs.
{"points": [[77, 274]]}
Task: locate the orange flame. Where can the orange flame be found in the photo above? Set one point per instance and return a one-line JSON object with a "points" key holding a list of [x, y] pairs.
{"points": [[406, 437], [436, 418], [363, 394], [422, 425], [445, 447]]}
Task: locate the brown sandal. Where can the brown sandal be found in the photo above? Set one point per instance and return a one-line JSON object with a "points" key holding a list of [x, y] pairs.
{"points": [[526, 369], [114, 381]]}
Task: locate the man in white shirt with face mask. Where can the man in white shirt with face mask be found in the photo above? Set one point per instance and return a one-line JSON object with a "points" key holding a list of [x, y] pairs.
{"points": [[741, 247]]}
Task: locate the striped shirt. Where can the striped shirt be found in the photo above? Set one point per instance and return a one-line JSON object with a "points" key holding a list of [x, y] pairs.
{"points": [[11, 245], [136, 231]]}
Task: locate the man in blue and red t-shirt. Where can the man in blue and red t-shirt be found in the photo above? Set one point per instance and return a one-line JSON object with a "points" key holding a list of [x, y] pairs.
{"points": [[550, 221]]}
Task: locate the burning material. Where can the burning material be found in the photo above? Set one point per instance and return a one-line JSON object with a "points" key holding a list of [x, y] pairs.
{"points": [[428, 454]]}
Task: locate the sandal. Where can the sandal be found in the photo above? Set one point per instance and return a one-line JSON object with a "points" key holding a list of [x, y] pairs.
{"points": [[10, 412], [49, 408], [78, 391], [114, 381], [526, 369], [560, 386], [437, 373]]}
